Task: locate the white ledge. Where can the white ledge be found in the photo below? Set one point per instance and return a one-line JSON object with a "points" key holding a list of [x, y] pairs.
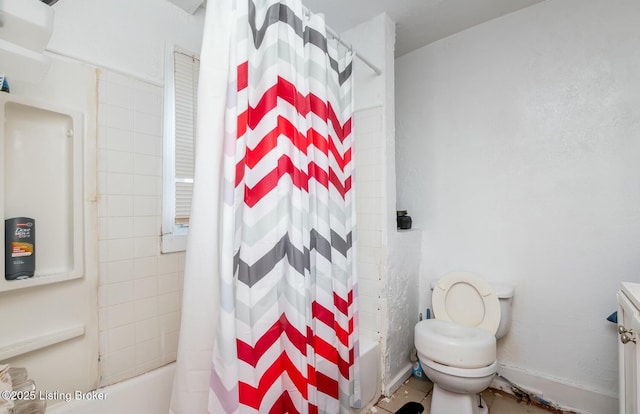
{"points": [[38, 342]]}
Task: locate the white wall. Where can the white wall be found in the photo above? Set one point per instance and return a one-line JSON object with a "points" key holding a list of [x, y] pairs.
{"points": [[34, 312], [403, 294], [518, 156], [140, 289], [369, 142], [369, 129], [126, 36]]}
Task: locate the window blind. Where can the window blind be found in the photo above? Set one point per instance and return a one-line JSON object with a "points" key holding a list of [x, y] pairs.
{"points": [[186, 70]]}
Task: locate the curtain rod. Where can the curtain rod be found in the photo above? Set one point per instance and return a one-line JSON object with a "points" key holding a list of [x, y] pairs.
{"points": [[336, 36], [356, 54]]}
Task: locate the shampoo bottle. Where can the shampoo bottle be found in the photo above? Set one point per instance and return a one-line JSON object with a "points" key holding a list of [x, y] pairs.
{"points": [[19, 248]]}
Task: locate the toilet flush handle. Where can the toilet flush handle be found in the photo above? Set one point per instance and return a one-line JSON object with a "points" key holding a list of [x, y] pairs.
{"points": [[626, 335]]}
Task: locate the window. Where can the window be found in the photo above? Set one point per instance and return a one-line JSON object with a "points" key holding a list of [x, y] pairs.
{"points": [[181, 92]]}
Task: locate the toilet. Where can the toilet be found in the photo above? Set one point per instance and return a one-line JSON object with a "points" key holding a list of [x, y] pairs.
{"points": [[457, 349]]}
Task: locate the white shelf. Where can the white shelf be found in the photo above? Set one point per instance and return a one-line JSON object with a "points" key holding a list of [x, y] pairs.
{"points": [[38, 342], [38, 280], [49, 190]]}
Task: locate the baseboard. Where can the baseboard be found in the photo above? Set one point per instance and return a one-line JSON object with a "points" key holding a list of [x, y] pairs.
{"points": [[397, 381], [566, 396]]}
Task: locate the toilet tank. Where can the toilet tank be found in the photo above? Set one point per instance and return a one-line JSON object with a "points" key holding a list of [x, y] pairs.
{"points": [[504, 292]]}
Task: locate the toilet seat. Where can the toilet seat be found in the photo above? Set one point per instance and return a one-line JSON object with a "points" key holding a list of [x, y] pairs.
{"points": [[455, 345], [466, 299]]}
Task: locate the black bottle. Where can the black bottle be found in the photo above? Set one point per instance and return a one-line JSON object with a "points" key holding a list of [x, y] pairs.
{"points": [[403, 220], [19, 248]]}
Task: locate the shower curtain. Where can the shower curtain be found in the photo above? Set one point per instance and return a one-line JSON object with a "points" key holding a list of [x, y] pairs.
{"points": [[270, 322]]}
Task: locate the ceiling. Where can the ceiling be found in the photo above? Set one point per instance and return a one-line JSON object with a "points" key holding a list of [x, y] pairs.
{"points": [[418, 22]]}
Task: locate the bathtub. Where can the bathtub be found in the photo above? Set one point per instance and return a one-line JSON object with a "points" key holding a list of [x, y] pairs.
{"points": [[150, 393], [370, 378]]}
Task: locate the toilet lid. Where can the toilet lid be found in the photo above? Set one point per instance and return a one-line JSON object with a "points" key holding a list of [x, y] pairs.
{"points": [[466, 299]]}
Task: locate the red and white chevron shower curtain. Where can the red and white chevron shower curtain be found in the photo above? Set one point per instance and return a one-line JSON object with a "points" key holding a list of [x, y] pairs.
{"points": [[286, 338]]}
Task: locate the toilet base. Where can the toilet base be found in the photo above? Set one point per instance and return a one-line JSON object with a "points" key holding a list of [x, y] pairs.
{"points": [[447, 402]]}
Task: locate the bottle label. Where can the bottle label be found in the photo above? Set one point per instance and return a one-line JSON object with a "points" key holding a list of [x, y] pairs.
{"points": [[21, 249]]}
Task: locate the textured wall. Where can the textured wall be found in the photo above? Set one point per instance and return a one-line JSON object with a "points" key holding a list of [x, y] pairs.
{"points": [[403, 293], [518, 156]]}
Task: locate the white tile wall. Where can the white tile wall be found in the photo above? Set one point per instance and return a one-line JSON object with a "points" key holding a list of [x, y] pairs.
{"points": [[369, 150], [140, 289]]}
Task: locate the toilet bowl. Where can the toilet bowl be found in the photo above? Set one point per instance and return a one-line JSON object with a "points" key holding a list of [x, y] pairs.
{"points": [[456, 390], [457, 349]]}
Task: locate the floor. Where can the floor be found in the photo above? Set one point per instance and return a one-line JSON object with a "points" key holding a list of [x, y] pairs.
{"points": [[420, 391]]}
